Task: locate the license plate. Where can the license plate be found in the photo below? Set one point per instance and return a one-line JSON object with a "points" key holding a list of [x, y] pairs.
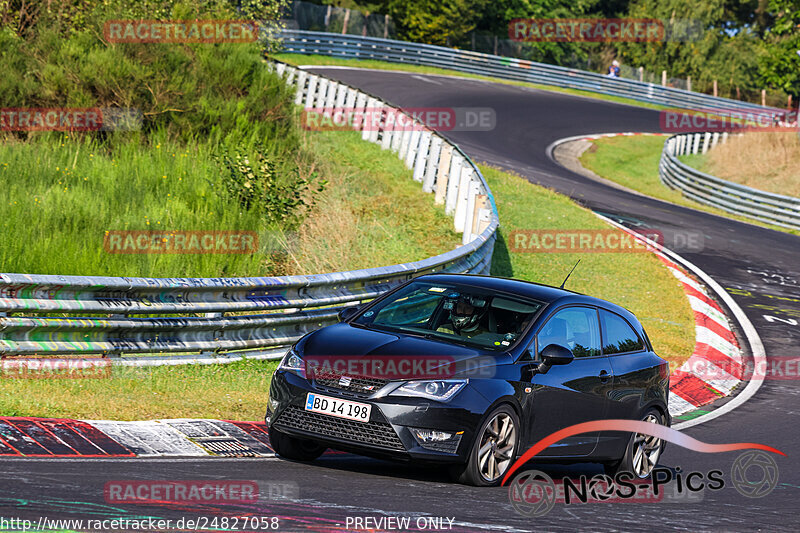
{"points": [[336, 407]]}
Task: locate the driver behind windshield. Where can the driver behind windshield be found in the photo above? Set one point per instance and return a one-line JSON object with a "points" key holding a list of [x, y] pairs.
{"points": [[466, 316]]}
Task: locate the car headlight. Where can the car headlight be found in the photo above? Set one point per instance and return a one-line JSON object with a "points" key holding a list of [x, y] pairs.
{"points": [[439, 389], [293, 363]]}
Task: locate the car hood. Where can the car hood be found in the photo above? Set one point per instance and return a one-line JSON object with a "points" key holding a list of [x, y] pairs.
{"points": [[343, 342]]}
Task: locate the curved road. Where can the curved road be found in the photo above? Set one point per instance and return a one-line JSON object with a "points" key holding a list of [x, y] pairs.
{"points": [[760, 268]]}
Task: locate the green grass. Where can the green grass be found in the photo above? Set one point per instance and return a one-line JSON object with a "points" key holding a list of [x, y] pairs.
{"points": [[637, 281], [633, 163], [235, 391], [299, 59], [62, 196], [371, 214]]}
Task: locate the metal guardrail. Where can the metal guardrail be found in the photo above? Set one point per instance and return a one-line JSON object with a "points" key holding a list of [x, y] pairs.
{"points": [[355, 47], [738, 199], [190, 319]]}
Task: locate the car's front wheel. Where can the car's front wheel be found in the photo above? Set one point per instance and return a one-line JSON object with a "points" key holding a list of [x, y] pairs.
{"points": [[294, 448], [493, 450], [643, 451]]}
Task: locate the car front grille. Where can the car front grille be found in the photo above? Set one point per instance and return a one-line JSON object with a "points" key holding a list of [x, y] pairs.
{"points": [[359, 385], [374, 433]]}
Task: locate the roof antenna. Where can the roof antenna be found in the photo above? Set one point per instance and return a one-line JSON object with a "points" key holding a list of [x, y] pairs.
{"points": [[568, 275]]}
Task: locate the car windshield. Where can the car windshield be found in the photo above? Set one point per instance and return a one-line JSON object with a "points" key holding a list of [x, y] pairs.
{"points": [[457, 313]]}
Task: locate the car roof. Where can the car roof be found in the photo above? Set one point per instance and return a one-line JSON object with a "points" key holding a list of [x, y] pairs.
{"points": [[527, 289]]}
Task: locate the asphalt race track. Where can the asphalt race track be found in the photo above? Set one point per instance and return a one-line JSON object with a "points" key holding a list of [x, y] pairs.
{"points": [[760, 268]]}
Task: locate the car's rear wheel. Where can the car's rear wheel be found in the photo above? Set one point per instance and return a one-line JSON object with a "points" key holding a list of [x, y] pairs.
{"points": [[294, 448], [493, 450], [643, 451]]}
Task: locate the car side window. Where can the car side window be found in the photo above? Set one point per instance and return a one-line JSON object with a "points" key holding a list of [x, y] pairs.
{"points": [[575, 328], [618, 335]]}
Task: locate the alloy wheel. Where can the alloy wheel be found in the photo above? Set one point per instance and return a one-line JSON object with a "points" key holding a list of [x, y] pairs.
{"points": [[646, 450], [497, 446]]}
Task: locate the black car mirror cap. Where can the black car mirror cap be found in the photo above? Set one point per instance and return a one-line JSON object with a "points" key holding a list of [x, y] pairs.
{"points": [[347, 313], [555, 354]]}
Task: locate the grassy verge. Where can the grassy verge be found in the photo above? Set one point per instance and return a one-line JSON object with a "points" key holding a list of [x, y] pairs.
{"points": [[763, 160], [636, 281], [61, 197], [235, 391], [298, 59], [371, 213], [633, 163]]}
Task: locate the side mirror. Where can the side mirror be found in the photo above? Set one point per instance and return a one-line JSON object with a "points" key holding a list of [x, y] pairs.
{"points": [[554, 354], [348, 312]]}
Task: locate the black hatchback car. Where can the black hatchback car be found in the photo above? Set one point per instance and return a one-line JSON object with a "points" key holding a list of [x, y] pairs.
{"points": [[471, 371]]}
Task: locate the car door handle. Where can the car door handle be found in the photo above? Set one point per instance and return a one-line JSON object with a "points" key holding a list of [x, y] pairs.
{"points": [[604, 375]]}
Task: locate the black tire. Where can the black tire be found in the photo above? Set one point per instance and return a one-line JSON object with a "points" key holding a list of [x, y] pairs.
{"points": [[293, 448], [640, 464], [472, 472]]}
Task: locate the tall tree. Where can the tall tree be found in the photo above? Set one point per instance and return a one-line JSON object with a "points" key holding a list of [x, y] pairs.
{"points": [[780, 62], [440, 22]]}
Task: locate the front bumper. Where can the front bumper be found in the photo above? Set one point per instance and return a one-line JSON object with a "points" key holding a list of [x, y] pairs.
{"points": [[388, 433]]}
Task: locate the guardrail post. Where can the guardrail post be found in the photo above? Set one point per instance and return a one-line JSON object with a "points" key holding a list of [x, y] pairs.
{"points": [[460, 216], [312, 91], [330, 100], [724, 137], [413, 144], [442, 173], [359, 110], [454, 181], [350, 101], [696, 143], [389, 126], [714, 139], [405, 139], [302, 77], [377, 121], [341, 95], [421, 157], [397, 134], [479, 216], [322, 92], [706, 142], [369, 118], [483, 213], [429, 176], [290, 72], [472, 192], [280, 68]]}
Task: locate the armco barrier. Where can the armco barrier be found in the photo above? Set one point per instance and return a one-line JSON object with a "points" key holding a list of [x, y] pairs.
{"points": [[187, 319], [355, 47], [738, 199]]}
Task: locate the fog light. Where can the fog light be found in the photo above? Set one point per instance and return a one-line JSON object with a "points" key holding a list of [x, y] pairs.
{"points": [[431, 435], [437, 440], [273, 404]]}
